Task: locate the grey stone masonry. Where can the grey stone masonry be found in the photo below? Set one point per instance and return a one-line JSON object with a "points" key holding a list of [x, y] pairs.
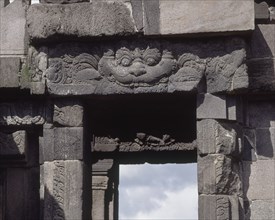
{"points": [[68, 113], [218, 207], [81, 20], [219, 174], [9, 72], [61, 190], [13, 38], [62, 143], [104, 190], [218, 138]]}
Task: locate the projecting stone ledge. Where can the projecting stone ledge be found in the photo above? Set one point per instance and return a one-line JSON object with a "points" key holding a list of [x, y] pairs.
{"points": [[154, 17], [79, 20]]}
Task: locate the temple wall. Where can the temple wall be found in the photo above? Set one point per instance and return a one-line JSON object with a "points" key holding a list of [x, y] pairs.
{"points": [[72, 70]]}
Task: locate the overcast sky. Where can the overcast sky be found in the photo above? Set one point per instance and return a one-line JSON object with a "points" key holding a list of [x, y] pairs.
{"points": [[158, 192]]}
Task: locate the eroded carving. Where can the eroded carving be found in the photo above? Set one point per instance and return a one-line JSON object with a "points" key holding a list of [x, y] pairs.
{"points": [[59, 190], [190, 73], [21, 114], [223, 208], [142, 142], [81, 69], [142, 67], [137, 68], [38, 63], [13, 144]]}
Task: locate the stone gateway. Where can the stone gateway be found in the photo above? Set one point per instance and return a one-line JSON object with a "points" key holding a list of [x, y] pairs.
{"points": [[87, 85]]}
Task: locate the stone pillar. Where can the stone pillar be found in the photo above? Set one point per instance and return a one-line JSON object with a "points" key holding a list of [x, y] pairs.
{"points": [[219, 148], [104, 190], [61, 159]]}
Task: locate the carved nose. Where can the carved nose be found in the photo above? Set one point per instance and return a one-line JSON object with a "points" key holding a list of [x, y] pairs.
{"points": [[138, 69]]}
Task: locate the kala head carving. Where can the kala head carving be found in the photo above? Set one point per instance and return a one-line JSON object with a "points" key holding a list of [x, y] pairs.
{"points": [[138, 67]]}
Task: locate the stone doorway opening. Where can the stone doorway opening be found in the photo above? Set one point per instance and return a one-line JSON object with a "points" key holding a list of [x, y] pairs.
{"points": [[158, 191], [155, 128]]}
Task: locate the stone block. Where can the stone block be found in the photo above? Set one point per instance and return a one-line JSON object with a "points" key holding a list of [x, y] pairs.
{"points": [[265, 143], [62, 144], [12, 23], [217, 207], [260, 114], [186, 17], [262, 209], [99, 18], [9, 72], [137, 9], [62, 1], [218, 174], [249, 145], [262, 41], [272, 14], [214, 137], [211, 106], [68, 113], [63, 189], [261, 10], [234, 108], [151, 17], [261, 75], [259, 173]]}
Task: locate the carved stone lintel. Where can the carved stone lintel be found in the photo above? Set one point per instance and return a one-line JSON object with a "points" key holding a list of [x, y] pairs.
{"points": [[22, 114], [142, 67]]}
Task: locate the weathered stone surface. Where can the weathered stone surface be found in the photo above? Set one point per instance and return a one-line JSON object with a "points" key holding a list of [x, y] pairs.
{"points": [[262, 41], [211, 106], [265, 143], [249, 145], [63, 144], [219, 207], [151, 17], [262, 209], [13, 144], [261, 75], [81, 20], [137, 8], [62, 1], [12, 23], [227, 73], [24, 113], [259, 173], [235, 111], [72, 69], [232, 16], [68, 113], [218, 174], [214, 137], [63, 189], [261, 10], [260, 114], [9, 72]]}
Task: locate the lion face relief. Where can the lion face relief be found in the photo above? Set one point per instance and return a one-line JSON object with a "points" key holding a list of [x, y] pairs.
{"points": [[137, 68]]}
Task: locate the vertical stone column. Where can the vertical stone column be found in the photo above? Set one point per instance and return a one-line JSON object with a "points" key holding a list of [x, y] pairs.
{"points": [[104, 190], [61, 159], [219, 148]]}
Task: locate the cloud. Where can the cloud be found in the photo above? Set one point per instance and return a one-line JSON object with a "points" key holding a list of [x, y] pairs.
{"points": [[158, 191]]}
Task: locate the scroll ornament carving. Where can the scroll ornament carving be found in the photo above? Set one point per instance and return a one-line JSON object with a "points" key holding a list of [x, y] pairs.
{"points": [[21, 114], [59, 190], [13, 144]]}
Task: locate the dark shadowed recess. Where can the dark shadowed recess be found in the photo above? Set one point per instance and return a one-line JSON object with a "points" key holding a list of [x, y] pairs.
{"points": [[124, 116]]}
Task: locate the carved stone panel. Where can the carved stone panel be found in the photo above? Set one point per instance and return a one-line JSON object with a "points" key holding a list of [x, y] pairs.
{"points": [[13, 144], [145, 66], [24, 113]]}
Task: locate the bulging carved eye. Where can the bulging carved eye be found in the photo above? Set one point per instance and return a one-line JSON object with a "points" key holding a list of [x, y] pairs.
{"points": [[125, 61], [151, 61]]}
